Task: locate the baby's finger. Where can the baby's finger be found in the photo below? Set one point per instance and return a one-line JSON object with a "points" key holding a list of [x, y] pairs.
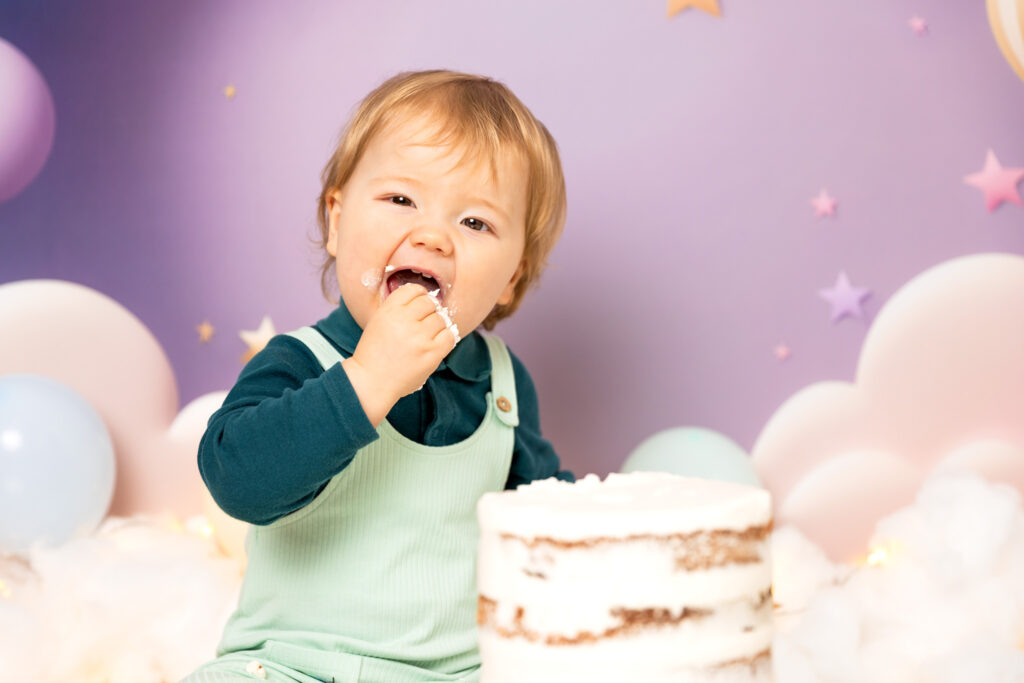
{"points": [[432, 324], [448, 336], [406, 293], [422, 306]]}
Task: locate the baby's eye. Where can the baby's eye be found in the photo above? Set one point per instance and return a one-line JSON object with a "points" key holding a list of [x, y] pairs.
{"points": [[478, 225], [398, 196]]}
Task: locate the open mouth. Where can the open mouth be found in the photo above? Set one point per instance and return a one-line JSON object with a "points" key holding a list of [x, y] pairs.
{"points": [[404, 276]]}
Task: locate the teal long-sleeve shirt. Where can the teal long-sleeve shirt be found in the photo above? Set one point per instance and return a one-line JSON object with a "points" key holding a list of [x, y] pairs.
{"points": [[287, 427]]}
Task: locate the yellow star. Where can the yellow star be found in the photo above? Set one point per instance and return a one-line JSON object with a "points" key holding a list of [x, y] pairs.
{"points": [[205, 330], [257, 339], [709, 6], [229, 92]]}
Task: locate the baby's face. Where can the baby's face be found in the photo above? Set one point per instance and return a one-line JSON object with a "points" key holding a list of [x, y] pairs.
{"points": [[408, 213]]}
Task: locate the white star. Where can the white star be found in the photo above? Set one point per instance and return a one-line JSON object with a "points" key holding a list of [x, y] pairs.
{"points": [[258, 338]]}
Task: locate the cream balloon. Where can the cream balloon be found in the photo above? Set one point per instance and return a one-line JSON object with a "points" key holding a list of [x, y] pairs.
{"points": [[228, 532], [187, 430], [1007, 20]]}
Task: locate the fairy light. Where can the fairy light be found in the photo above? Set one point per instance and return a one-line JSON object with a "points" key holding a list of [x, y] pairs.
{"points": [[877, 557], [5, 590], [199, 525]]}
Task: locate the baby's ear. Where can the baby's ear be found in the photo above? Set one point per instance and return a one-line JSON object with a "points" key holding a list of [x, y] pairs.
{"points": [[509, 292], [333, 215]]}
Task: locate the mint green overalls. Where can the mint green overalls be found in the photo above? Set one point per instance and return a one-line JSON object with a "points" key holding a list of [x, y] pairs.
{"points": [[374, 580]]}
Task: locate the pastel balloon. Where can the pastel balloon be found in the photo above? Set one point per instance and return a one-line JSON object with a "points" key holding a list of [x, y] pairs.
{"points": [[1007, 20], [187, 430], [693, 452], [56, 463], [27, 121], [95, 345]]}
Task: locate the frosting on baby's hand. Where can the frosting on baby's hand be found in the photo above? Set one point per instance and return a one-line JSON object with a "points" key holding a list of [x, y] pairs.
{"points": [[445, 315]]}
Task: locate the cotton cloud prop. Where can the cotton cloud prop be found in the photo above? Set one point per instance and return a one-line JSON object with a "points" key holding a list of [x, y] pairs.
{"points": [[945, 605], [142, 600], [91, 343], [939, 386]]}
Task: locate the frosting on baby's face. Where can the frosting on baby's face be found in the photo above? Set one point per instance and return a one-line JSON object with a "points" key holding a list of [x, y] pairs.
{"points": [[412, 213]]}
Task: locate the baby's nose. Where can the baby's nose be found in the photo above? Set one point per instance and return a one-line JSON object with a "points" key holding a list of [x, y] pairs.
{"points": [[433, 237]]}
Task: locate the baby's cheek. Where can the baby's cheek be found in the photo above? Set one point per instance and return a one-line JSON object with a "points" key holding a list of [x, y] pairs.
{"points": [[372, 278]]}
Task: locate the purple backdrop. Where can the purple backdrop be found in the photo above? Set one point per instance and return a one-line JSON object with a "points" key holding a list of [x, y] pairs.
{"points": [[692, 147]]}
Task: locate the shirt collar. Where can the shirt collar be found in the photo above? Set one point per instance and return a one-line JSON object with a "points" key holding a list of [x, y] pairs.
{"points": [[469, 360]]}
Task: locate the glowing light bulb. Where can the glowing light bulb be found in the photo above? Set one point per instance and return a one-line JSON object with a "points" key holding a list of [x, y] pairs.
{"points": [[5, 590]]}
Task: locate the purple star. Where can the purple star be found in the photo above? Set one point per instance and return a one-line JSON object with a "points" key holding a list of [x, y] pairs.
{"points": [[845, 298]]}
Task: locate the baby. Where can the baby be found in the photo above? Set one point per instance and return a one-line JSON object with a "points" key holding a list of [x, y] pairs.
{"points": [[358, 447]]}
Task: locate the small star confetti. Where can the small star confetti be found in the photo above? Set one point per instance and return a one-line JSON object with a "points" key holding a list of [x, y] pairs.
{"points": [[229, 92], [918, 25], [205, 330], [845, 299], [257, 339], [709, 6], [782, 352], [999, 184], [824, 205]]}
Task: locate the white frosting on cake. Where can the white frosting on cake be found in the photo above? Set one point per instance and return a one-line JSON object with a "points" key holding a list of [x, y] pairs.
{"points": [[644, 576], [622, 505]]}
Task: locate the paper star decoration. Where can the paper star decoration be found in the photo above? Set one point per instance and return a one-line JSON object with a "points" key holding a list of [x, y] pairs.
{"points": [[824, 205], [782, 352], [845, 299], [709, 6], [918, 25], [999, 184], [205, 330], [257, 339], [229, 92]]}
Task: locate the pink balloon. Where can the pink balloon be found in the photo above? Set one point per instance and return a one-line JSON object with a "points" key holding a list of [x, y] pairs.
{"points": [[27, 121]]}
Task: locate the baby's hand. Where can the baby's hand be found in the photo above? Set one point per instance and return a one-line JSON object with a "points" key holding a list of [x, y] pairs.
{"points": [[403, 343]]}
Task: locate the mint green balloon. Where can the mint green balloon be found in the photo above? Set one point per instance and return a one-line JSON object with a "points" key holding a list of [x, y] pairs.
{"points": [[693, 452]]}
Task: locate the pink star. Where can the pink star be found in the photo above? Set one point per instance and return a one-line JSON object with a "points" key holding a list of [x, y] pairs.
{"points": [[999, 184], [918, 25], [845, 299], [823, 205], [782, 352]]}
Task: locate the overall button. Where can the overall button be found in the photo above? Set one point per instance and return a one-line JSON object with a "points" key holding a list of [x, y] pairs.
{"points": [[504, 404], [256, 669]]}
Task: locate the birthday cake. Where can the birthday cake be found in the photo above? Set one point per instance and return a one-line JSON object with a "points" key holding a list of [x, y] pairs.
{"points": [[645, 576]]}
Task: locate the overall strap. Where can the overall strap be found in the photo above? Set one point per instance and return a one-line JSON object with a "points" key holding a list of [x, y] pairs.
{"points": [[503, 382], [321, 348]]}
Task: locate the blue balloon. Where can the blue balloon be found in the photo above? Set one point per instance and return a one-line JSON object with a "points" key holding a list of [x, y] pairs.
{"points": [[56, 463], [693, 452]]}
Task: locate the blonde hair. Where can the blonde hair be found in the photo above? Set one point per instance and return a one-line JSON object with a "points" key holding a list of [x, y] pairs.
{"points": [[485, 118]]}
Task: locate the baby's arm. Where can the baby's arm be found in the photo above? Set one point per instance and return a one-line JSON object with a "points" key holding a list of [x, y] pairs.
{"points": [[284, 431], [533, 456]]}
